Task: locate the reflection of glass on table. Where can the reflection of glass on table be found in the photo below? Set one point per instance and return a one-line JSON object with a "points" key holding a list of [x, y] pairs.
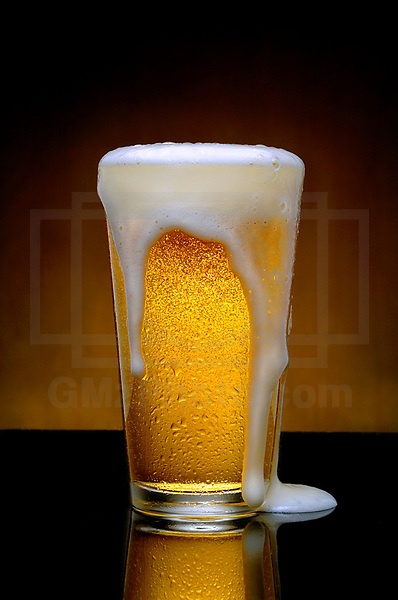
{"points": [[194, 559]]}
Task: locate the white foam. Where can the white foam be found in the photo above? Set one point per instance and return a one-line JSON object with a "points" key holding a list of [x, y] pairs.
{"points": [[214, 192], [194, 153]]}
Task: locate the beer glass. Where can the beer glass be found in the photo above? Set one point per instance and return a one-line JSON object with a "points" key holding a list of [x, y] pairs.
{"points": [[202, 240]]}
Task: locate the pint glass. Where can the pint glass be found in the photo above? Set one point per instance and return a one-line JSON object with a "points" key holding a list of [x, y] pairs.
{"points": [[202, 240]]}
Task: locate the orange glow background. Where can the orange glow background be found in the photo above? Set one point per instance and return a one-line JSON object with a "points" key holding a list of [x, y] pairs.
{"points": [[332, 104]]}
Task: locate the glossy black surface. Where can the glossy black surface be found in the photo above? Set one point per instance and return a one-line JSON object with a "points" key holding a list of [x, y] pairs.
{"points": [[65, 515]]}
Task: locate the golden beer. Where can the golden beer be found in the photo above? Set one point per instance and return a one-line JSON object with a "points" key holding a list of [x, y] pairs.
{"points": [[185, 422], [202, 240]]}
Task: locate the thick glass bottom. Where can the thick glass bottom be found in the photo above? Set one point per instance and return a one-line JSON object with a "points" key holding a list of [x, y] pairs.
{"points": [[185, 505]]}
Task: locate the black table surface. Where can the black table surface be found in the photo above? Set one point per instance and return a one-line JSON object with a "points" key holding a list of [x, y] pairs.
{"points": [[66, 517]]}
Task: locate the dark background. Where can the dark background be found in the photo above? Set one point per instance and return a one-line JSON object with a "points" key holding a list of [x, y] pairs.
{"points": [[74, 87]]}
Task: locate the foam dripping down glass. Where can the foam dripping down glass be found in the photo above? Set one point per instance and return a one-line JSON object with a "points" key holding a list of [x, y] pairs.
{"points": [[202, 240]]}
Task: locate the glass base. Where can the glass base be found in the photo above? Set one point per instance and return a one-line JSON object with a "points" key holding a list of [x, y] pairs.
{"points": [[197, 506]]}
